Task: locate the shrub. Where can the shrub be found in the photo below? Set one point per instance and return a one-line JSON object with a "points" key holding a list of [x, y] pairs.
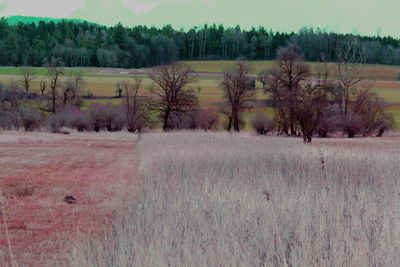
{"points": [[60, 120], [262, 124], [5, 120], [329, 121], [81, 121], [30, 118], [137, 119], [386, 123], [182, 121], [206, 119], [352, 124], [106, 116]]}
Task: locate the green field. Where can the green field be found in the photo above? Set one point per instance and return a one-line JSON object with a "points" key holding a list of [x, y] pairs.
{"points": [[378, 72], [102, 86]]}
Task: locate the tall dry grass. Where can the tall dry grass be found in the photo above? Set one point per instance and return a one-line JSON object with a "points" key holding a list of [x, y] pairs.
{"points": [[213, 199]]}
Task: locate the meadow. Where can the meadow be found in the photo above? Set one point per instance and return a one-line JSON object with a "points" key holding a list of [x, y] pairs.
{"points": [[38, 170], [215, 199], [198, 199]]}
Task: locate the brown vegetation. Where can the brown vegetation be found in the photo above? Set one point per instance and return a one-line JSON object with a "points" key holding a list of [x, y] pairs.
{"points": [[174, 98], [238, 93]]}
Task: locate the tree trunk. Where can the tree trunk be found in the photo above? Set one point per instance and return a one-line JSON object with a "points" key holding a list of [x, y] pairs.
{"points": [[236, 127], [381, 132], [307, 138], [53, 108], [229, 128], [166, 117], [350, 134]]}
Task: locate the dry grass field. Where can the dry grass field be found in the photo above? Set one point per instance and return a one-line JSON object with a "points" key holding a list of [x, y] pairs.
{"points": [[198, 199], [215, 199], [38, 170]]}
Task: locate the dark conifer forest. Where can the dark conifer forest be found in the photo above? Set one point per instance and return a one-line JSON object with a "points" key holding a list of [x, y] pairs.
{"points": [[80, 44]]}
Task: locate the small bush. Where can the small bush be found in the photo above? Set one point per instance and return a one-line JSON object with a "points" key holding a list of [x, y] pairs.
{"points": [[5, 120], [329, 121], [262, 124], [352, 125], [30, 118], [386, 123], [60, 120], [81, 122], [182, 121], [206, 119], [106, 116]]}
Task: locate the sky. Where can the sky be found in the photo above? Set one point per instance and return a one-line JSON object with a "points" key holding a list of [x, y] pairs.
{"points": [[368, 17]]}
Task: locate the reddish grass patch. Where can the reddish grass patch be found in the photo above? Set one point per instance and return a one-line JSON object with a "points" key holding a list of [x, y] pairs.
{"points": [[99, 171]]}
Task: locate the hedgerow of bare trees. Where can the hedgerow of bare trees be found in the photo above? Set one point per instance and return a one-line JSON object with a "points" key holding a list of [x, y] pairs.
{"points": [[174, 97], [239, 93], [361, 110], [324, 104], [307, 102]]}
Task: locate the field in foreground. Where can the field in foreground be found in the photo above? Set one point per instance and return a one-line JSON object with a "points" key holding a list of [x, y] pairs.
{"points": [[37, 170], [214, 199]]}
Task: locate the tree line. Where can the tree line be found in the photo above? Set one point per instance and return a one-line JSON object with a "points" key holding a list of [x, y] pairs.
{"points": [[337, 99], [87, 44]]}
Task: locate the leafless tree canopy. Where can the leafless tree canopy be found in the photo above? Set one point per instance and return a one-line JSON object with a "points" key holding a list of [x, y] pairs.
{"points": [[53, 94], [72, 90], [322, 104], [11, 104], [310, 100], [43, 87], [283, 85], [174, 96], [134, 107], [263, 77], [27, 76], [349, 73], [238, 92]]}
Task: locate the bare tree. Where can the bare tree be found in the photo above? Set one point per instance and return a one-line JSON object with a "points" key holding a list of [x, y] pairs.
{"points": [[134, 108], [349, 73], [371, 109], [263, 77], [310, 101], [174, 97], [238, 93], [72, 90], [28, 75], [43, 87], [12, 98], [361, 110], [283, 83], [118, 89], [54, 74]]}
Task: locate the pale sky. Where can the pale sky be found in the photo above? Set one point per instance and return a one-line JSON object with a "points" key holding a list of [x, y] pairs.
{"points": [[362, 16]]}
